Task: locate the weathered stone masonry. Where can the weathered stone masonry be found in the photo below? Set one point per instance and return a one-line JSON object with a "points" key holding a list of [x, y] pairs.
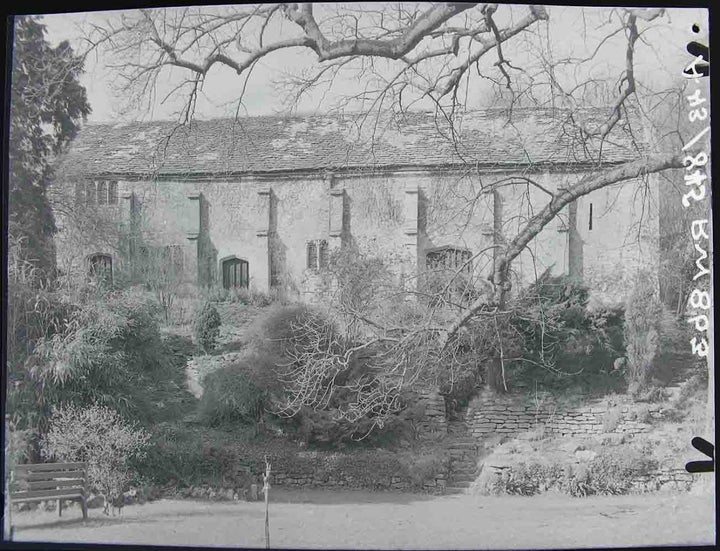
{"points": [[509, 416], [260, 192]]}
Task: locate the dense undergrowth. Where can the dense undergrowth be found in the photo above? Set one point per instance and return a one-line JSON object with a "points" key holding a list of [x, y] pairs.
{"points": [[110, 348]]}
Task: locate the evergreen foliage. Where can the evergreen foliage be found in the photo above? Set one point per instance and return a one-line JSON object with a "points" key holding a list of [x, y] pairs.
{"points": [[46, 105], [207, 327]]}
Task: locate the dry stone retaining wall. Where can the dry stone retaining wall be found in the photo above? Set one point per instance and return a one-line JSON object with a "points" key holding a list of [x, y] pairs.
{"points": [[371, 470], [492, 414], [434, 422]]}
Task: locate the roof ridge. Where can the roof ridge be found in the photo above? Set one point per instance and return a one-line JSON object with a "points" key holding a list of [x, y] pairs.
{"points": [[340, 116]]}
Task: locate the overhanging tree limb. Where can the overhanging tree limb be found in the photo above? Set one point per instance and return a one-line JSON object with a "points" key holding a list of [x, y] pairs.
{"points": [[588, 184]]}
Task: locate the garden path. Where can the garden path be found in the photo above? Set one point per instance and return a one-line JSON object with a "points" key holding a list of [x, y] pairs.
{"points": [[322, 519]]}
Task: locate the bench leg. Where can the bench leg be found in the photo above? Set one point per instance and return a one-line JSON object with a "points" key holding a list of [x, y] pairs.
{"points": [[83, 504], [59, 507]]}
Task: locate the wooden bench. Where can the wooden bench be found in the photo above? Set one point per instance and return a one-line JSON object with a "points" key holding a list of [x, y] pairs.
{"points": [[43, 481]]}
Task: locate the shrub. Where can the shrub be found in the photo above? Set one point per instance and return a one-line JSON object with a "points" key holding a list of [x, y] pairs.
{"points": [[230, 396], [527, 479], [241, 295], [643, 414], [611, 419], [611, 472], [176, 456], [423, 467], [100, 437], [649, 394], [20, 447], [207, 327], [560, 342], [106, 343], [695, 385], [294, 345]]}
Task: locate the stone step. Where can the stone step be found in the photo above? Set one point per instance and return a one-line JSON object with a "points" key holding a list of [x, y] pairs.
{"points": [[466, 467], [462, 455], [456, 489], [463, 464], [468, 476]]}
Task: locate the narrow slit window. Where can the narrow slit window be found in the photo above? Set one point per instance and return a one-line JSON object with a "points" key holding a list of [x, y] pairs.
{"points": [[312, 255], [317, 255], [90, 193], [590, 220], [112, 192], [322, 254]]}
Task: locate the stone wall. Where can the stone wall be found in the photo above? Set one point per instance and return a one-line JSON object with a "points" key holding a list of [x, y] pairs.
{"points": [[666, 480], [490, 414], [434, 419], [397, 216], [366, 469]]}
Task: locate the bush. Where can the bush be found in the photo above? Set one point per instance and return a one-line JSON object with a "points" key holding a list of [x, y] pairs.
{"points": [[562, 344], [207, 327], [21, 446], [612, 418], [230, 396], [527, 479], [423, 467], [611, 472], [107, 343], [695, 385], [290, 339], [242, 296], [181, 456], [100, 437]]}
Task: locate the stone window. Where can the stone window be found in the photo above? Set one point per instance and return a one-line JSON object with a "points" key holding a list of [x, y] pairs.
{"points": [[100, 267], [235, 273], [317, 254], [449, 258], [97, 192]]}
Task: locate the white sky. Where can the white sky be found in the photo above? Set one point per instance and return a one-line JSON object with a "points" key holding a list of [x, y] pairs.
{"points": [[661, 63]]}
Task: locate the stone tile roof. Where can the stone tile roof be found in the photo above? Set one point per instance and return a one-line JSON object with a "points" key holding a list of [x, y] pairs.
{"points": [[255, 145]]}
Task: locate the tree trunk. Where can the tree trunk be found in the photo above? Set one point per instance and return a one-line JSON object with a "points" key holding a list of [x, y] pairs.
{"points": [[496, 369], [495, 374]]}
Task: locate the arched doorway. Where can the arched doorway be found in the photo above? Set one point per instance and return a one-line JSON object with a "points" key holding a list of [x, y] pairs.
{"points": [[235, 273]]}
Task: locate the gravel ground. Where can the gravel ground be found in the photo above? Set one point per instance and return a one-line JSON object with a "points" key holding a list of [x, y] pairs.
{"points": [[337, 519]]}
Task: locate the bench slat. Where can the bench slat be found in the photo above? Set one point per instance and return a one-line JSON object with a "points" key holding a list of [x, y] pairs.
{"points": [[39, 467], [50, 484], [64, 493], [50, 475], [70, 496]]}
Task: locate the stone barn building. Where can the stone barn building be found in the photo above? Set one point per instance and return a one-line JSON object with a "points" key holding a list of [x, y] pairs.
{"points": [[262, 202]]}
